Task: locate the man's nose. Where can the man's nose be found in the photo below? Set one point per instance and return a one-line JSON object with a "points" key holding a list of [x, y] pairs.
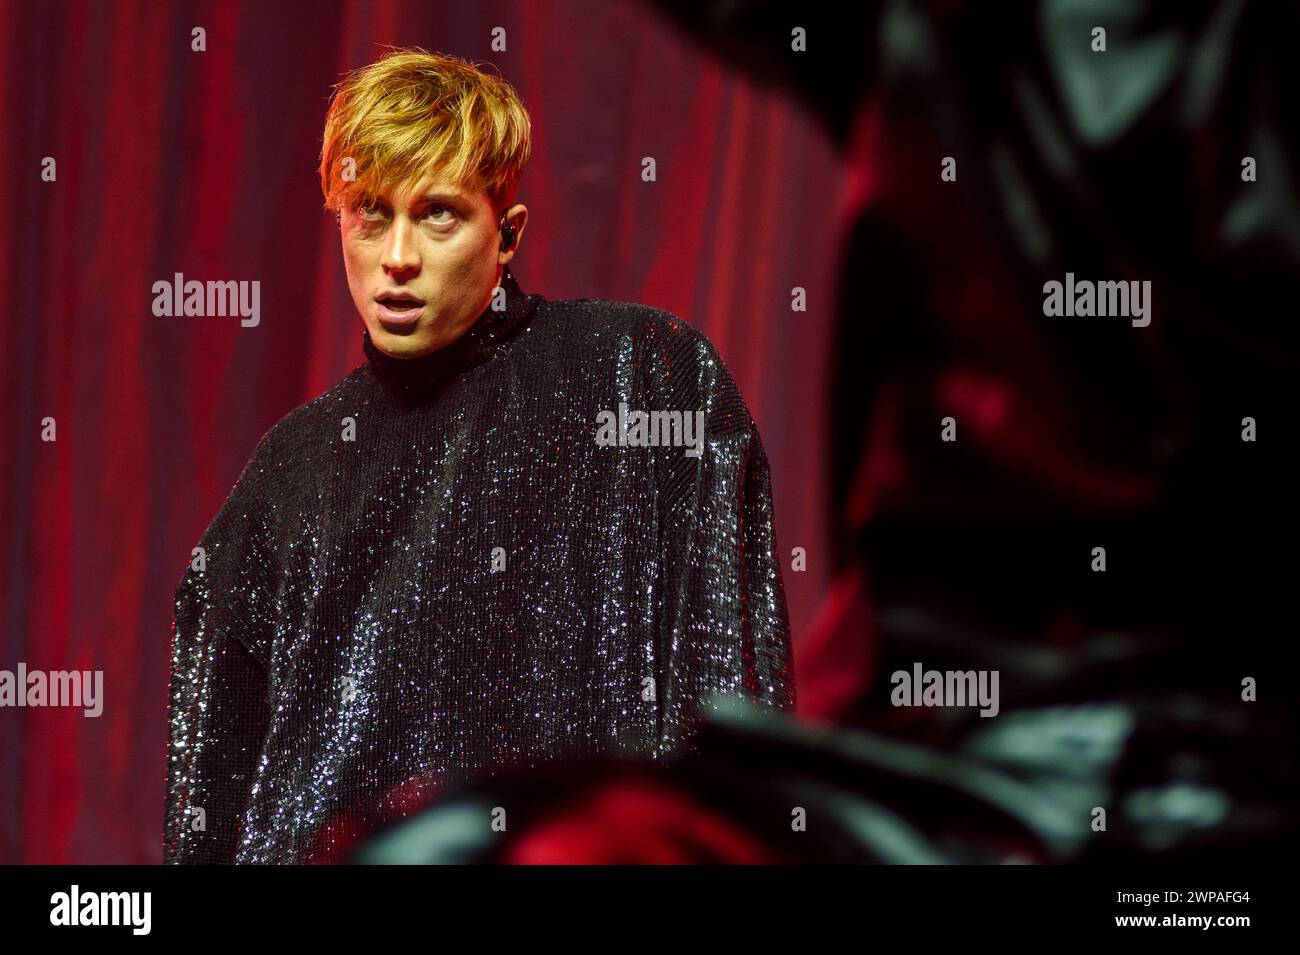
{"points": [[400, 253]]}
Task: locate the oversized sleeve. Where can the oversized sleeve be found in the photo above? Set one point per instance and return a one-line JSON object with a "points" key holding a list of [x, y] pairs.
{"points": [[219, 710], [722, 623]]}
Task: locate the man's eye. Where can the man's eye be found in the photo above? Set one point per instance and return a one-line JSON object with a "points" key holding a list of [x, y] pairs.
{"points": [[367, 209], [435, 213]]}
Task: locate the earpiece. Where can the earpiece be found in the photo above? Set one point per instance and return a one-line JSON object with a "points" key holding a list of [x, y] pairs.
{"points": [[507, 234]]}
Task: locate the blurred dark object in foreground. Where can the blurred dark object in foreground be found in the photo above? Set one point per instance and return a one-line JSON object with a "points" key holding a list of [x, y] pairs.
{"points": [[1071, 433], [1020, 791]]}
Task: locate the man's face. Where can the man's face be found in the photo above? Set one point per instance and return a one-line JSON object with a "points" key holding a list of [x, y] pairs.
{"points": [[423, 260]]}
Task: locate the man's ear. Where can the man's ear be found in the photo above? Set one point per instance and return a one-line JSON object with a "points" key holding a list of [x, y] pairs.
{"points": [[516, 215]]}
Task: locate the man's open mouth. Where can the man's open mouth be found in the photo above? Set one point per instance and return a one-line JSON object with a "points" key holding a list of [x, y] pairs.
{"points": [[399, 303]]}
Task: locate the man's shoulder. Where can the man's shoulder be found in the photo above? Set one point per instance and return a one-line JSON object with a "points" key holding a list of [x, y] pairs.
{"points": [[674, 363], [285, 439], [601, 326]]}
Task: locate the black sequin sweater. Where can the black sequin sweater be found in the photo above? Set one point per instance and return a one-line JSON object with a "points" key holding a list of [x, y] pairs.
{"points": [[435, 570]]}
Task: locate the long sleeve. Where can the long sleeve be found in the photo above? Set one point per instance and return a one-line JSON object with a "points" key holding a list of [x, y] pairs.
{"points": [[219, 709], [723, 623]]}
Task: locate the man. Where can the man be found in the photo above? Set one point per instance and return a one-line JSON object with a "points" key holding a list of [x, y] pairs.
{"points": [[521, 529]]}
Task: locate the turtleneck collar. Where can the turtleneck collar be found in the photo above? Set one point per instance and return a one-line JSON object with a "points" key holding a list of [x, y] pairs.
{"points": [[413, 377]]}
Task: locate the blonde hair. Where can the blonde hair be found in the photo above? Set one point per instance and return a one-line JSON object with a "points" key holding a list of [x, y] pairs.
{"points": [[412, 113]]}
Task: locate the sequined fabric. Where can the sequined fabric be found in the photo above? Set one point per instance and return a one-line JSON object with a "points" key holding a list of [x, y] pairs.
{"points": [[471, 582]]}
